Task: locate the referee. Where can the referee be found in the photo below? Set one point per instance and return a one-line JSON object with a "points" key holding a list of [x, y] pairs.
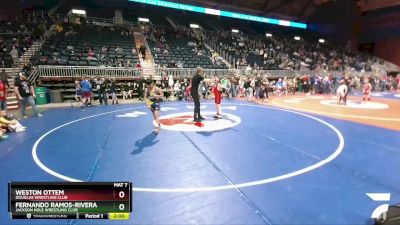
{"points": [[197, 78]]}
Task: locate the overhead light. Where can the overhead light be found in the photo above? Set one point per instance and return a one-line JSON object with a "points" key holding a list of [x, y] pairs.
{"points": [[146, 20], [284, 23], [195, 26], [235, 31], [78, 11], [215, 12], [268, 34], [321, 40], [297, 38], [218, 12]]}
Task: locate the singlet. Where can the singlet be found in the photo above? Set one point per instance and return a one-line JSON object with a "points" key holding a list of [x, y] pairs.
{"points": [[150, 94], [78, 89], [367, 87], [3, 91], [215, 90]]}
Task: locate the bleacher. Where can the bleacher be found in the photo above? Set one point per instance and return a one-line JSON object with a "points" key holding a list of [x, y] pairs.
{"points": [[180, 52], [72, 46], [66, 86], [283, 52], [21, 33], [7, 41], [55, 51]]}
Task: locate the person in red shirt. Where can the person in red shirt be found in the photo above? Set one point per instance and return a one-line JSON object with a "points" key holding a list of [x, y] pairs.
{"points": [[3, 89], [91, 55], [3, 95]]}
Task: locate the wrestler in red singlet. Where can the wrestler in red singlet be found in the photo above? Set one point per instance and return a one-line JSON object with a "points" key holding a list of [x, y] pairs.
{"points": [[217, 94], [217, 90], [367, 90]]}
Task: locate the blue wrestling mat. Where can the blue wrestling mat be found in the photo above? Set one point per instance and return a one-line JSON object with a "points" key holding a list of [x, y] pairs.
{"points": [[256, 165]]}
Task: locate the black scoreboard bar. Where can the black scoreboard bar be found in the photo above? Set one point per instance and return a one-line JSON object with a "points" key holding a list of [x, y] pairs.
{"points": [[70, 200], [91, 216]]}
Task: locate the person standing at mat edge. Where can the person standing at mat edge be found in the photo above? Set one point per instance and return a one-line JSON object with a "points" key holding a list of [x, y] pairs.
{"points": [[4, 77], [342, 92], [86, 91], [25, 94], [217, 90], [3, 95], [197, 78], [3, 89]]}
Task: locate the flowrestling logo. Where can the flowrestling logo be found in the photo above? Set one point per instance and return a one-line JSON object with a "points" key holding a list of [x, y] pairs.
{"points": [[184, 122], [379, 197]]}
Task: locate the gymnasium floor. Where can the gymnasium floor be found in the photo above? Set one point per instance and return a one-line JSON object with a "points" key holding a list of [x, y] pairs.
{"points": [[296, 160]]}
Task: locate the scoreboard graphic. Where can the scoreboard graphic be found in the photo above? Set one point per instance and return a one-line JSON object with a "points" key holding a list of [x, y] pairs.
{"points": [[70, 200]]}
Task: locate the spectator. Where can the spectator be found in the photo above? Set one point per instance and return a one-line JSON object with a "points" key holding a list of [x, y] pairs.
{"points": [[3, 95], [248, 91], [3, 90], [104, 50], [165, 52], [128, 63], [142, 50], [241, 87], [119, 51], [112, 91], [14, 55], [78, 91], [86, 91], [101, 87], [257, 87], [26, 95], [138, 67], [91, 55], [265, 86], [12, 125], [4, 77], [177, 87]]}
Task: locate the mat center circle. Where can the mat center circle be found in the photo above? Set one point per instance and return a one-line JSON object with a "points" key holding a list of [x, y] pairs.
{"points": [[356, 104], [183, 121], [235, 121]]}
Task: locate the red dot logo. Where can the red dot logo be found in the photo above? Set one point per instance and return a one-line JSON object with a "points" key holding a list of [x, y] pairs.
{"points": [[184, 122]]}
